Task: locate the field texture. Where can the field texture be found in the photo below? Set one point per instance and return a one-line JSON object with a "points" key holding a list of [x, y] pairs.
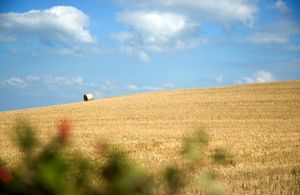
{"points": [[259, 124]]}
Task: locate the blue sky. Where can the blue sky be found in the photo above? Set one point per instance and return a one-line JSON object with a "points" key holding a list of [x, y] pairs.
{"points": [[52, 52]]}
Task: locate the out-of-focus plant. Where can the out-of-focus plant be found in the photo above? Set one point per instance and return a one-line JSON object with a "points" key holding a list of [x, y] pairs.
{"points": [[49, 170], [222, 156], [122, 176]]}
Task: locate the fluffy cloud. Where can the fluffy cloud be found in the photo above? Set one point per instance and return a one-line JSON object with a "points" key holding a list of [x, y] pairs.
{"points": [[166, 26], [59, 24], [281, 6], [219, 79], [154, 31], [261, 76], [155, 27], [224, 12]]}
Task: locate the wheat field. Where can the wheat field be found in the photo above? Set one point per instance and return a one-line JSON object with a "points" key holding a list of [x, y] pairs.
{"points": [[258, 123]]}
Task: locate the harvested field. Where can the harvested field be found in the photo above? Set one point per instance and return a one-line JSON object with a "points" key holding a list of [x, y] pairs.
{"points": [[259, 124]]}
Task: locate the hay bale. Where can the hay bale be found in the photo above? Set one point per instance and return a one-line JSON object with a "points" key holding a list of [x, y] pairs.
{"points": [[88, 97]]}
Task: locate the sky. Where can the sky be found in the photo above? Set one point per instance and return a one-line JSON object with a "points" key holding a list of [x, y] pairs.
{"points": [[53, 52]]}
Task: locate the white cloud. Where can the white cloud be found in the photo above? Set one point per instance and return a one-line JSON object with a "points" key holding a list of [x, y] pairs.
{"points": [[154, 31], [219, 79], [224, 12], [109, 88], [20, 82], [68, 81], [281, 6], [58, 24], [189, 44], [32, 78], [122, 36], [135, 52], [75, 52], [155, 27], [174, 45], [14, 82], [279, 32], [50, 81], [132, 87], [136, 88], [165, 26], [143, 56], [74, 87], [168, 85], [261, 76], [268, 38], [109, 85], [152, 88]]}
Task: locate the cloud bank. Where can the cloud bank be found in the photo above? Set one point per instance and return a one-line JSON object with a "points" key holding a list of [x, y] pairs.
{"points": [[260, 76], [224, 12], [155, 26]]}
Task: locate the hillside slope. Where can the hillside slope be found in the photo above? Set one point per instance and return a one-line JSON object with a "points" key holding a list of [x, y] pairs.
{"points": [[259, 124]]}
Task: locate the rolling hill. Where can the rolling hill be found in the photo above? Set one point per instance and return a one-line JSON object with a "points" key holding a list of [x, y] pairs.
{"points": [[258, 123]]}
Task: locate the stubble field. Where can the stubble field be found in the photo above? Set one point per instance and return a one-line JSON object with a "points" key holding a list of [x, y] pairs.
{"points": [[259, 124]]}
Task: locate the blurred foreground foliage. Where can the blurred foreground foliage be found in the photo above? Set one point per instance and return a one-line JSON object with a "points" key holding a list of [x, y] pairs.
{"points": [[46, 169]]}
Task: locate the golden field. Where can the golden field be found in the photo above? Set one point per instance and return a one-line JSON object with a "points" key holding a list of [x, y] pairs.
{"points": [[259, 124]]}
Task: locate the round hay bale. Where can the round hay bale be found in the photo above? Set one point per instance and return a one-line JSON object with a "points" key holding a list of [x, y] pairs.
{"points": [[88, 97]]}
